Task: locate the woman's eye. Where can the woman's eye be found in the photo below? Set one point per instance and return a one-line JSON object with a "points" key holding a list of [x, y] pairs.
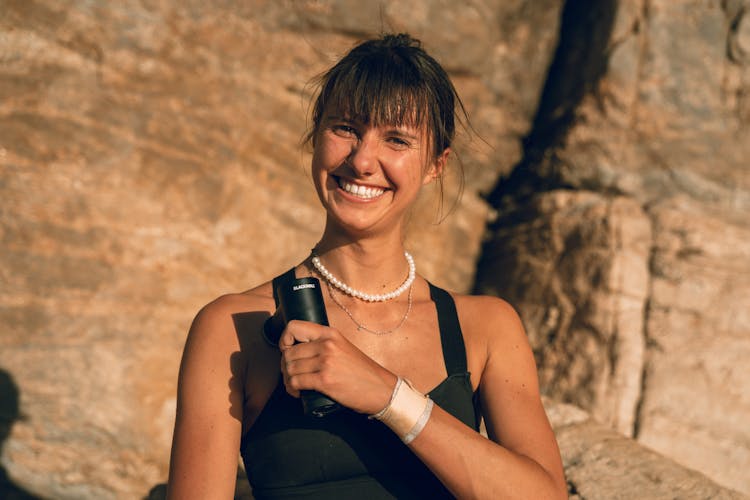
{"points": [[344, 130], [399, 142]]}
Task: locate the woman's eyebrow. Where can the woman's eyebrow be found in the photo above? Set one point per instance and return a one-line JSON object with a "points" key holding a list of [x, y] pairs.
{"points": [[402, 133], [336, 118]]}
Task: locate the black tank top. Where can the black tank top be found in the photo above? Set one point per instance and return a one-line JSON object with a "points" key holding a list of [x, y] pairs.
{"points": [[346, 455]]}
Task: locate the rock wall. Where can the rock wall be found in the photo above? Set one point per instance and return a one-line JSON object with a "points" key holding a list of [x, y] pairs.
{"points": [[623, 234], [576, 265], [150, 160]]}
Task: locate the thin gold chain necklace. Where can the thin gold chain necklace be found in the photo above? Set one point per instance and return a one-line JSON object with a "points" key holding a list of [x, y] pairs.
{"points": [[361, 326]]}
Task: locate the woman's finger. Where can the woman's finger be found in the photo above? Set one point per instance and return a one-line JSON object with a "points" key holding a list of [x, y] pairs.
{"points": [[301, 365], [301, 375], [300, 351], [305, 381], [320, 347], [292, 392], [296, 361], [301, 331]]}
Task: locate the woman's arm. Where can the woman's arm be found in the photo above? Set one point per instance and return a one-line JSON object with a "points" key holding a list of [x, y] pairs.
{"points": [[522, 459], [208, 427]]}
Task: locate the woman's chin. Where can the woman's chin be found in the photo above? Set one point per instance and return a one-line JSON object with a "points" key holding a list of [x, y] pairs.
{"points": [[360, 216], [358, 222]]}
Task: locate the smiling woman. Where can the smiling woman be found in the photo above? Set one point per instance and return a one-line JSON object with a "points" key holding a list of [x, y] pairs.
{"points": [[412, 367]]}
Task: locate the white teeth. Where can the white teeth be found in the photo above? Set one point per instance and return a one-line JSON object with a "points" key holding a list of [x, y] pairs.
{"points": [[360, 191]]}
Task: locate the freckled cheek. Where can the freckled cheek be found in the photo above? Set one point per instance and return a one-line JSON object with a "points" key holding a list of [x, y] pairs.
{"points": [[322, 166], [329, 156], [410, 171]]}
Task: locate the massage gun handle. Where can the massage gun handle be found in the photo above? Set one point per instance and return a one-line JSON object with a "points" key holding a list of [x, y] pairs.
{"points": [[302, 299]]}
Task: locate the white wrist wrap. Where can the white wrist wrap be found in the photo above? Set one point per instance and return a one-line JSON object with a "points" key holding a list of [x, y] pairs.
{"points": [[407, 413]]}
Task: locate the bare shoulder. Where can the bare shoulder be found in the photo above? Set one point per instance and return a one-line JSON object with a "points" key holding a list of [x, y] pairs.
{"points": [[497, 345], [212, 393], [491, 319], [220, 323], [258, 298], [224, 340]]}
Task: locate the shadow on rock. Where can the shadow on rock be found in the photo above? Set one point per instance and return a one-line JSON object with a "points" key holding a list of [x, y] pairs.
{"points": [[9, 414]]}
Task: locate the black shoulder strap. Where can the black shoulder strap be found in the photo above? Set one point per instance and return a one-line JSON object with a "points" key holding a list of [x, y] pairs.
{"points": [[454, 350], [273, 327], [278, 280]]}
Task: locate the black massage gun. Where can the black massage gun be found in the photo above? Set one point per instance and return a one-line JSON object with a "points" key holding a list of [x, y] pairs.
{"points": [[300, 299]]}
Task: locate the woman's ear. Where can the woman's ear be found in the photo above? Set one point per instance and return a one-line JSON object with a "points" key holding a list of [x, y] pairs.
{"points": [[436, 167]]}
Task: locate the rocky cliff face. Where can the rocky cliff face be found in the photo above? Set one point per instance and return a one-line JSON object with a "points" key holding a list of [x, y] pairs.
{"points": [[623, 233], [150, 161]]}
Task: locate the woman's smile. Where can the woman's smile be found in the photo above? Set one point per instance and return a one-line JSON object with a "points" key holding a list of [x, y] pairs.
{"points": [[368, 175], [360, 191]]}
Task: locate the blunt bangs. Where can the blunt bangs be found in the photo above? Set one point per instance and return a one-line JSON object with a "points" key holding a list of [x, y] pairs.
{"points": [[377, 91], [390, 82]]}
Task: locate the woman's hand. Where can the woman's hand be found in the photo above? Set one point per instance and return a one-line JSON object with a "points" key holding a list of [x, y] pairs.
{"points": [[320, 358]]}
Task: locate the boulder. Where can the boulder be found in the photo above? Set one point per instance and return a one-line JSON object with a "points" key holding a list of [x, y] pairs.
{"points": [[576, 265], [603, 464]]}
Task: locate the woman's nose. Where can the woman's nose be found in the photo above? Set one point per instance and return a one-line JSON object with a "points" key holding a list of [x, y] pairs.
{"points": [[363, 157]]}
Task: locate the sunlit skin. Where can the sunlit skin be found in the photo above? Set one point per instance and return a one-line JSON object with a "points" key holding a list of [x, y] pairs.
{"points": [[391, 158], [226, 379]]}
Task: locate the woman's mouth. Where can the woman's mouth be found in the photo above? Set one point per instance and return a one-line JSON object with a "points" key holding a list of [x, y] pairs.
{"points": [[358, 190]]}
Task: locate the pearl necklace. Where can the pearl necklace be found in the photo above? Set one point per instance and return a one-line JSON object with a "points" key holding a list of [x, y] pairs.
{"points": [[367, 297]]}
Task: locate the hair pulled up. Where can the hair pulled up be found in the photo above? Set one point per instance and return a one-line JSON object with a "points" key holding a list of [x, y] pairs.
{"points": [[392, 80]]}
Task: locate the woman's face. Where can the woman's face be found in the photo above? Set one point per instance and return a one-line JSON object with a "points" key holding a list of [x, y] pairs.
{"points": [[368, 176]]}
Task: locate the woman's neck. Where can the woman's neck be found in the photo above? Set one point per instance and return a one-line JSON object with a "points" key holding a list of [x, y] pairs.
{"points": [[372, 265]]}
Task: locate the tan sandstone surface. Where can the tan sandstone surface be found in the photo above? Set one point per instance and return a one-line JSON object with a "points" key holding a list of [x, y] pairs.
{"points": [[624, 233], [150, 161]]}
